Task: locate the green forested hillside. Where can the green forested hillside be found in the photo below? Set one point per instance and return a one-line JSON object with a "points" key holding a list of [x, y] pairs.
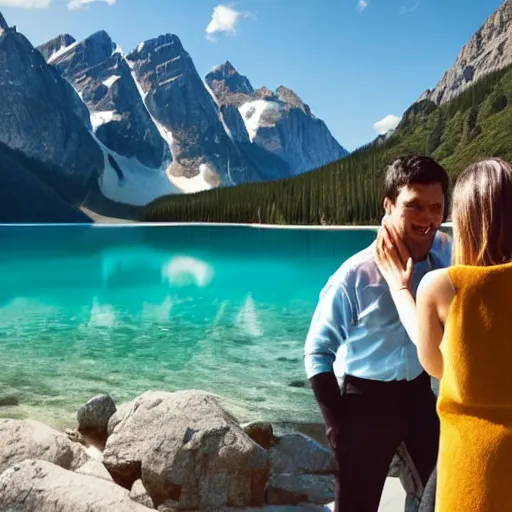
{"points": [[475, 125]]}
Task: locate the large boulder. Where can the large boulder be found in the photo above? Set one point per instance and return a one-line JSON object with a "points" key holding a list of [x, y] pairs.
{"points": [[94, 415], [121, 413], [293, 489], [39, 486], [303, 507], [299, 454], [140, 495], [95, 468], [28, 439], [189, 452]]}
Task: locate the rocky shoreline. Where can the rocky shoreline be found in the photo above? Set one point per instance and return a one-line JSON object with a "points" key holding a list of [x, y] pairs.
{"points": [[169, 451]]}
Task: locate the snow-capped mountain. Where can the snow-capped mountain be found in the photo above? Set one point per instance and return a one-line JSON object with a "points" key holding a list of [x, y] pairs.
{"points": [[121, 129], [154, 95], [178, 101], [277, 122], [43, 118]]}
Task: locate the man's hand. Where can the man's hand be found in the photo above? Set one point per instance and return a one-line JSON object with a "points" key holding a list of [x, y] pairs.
{"points": [[328, 396]]}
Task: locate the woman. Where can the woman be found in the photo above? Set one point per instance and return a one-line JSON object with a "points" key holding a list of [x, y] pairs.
{"points": [[461, 324]]}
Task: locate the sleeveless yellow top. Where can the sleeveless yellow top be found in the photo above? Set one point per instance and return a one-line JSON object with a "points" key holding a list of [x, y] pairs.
{"points": [[475, 393]]}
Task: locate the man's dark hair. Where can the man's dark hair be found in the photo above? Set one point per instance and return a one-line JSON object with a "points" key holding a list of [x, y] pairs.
{"points": [[411, 170]]}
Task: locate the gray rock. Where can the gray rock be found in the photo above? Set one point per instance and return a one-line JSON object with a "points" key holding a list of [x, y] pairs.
{"points": [[32, 90], [95, 468], [28, 439], [95, 414], [75, 436], [121, 413], [140, 495], [408, 475], [303, 507], [188, 452], [296, 453], [287, 489], [261, 432], [39, 486], [55, 45], [488, 50], [9, 401], [315, 431]]}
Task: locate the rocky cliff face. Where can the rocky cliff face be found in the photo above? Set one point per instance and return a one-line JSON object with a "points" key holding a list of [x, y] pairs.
{"points": [[24, 197], [41, 117], [273, 124], [179, 103], [121, 130], [488, 50], [3, 23], [103, 79], [54, 47]]}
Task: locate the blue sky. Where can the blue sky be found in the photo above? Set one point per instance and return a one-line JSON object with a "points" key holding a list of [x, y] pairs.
{"points": [[354, 62]]}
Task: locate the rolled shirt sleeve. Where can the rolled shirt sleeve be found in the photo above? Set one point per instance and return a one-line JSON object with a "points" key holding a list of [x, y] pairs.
{"points": [[328, 329]]}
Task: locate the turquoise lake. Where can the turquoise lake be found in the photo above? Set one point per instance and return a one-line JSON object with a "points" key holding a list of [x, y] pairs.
{"points": [[121, 310]]}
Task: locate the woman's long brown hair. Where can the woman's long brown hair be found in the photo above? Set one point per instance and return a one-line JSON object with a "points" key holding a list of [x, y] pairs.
{"points": [[482, 214]]}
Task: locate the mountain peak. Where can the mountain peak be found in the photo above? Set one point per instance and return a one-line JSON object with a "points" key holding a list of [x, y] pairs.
{"points": [[226, 80], [57, 44], [95, 49], [168, 45], [488, 50], [290, 97], [228, 68], [101, 37]]}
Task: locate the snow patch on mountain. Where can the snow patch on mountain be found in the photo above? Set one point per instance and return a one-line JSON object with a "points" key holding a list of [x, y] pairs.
{"points": [[138, 185], [109, 82], [99, 118], [61, 51], [252, 112], [197, 183]]}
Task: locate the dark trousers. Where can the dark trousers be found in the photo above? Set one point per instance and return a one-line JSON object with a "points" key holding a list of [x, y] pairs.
{"points": [[377, 417]]}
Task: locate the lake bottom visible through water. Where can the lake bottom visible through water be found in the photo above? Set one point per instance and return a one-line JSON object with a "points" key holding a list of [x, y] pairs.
{"points": [[123, 310]]}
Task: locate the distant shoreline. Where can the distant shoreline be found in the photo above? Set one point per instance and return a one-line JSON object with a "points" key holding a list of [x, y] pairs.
{"points": [[211, 224]]}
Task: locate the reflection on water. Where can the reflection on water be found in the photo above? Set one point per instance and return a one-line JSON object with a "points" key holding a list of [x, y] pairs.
{"points": [[85, 310]]}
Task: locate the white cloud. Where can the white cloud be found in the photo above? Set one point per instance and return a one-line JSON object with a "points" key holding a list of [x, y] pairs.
{"points": [[388, 123], [77, 4], [404, 9], [362, 5], [224, 19], [26, 4]]}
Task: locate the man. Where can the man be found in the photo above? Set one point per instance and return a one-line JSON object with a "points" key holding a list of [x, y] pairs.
{"points": [[364, 370]]}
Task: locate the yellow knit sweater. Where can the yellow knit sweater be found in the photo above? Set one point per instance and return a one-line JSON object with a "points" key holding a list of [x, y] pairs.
{"points": [[475, 394]]}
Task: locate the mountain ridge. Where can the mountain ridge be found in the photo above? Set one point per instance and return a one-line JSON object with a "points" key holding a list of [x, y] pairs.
{"points": [[489, 49], [202, 154], [470, 123]]}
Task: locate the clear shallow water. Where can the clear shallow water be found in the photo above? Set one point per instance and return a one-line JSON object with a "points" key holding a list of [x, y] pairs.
{"points": [[87, 310]]}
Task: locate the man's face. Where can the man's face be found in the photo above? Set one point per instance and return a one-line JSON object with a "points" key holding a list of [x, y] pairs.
{"points": [[417, 214]]}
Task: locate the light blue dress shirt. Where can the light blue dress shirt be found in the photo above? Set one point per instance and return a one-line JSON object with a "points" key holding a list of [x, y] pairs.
{"points": [[356, 329]]}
